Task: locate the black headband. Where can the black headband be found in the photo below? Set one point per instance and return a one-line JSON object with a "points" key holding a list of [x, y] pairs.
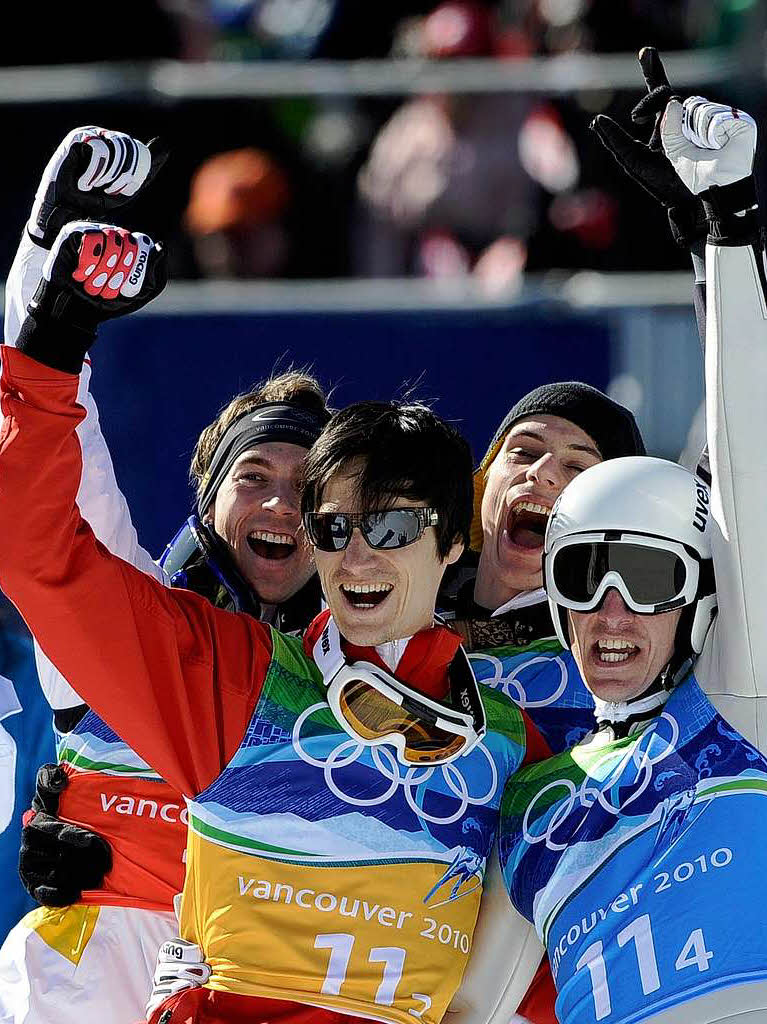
{"points": [[274, 421]]}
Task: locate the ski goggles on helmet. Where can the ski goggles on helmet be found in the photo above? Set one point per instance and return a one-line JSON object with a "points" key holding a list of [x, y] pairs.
{"points": [[651, 574], [391, 528], [374, 707], [197, 559]]}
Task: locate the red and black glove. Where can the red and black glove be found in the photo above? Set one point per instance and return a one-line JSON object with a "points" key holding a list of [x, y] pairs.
{"points": [[94, 272], [58, 860]]}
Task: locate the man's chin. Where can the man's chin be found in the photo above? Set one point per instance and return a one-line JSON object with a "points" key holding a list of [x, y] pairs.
{"points": [[519, 567], [518, 581], [367, 627], [361, 631], [271, 592], [615, 688]]}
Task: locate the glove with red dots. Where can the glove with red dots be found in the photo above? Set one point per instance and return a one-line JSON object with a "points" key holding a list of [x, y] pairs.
{"points": [[93, 172], [94, 272]]}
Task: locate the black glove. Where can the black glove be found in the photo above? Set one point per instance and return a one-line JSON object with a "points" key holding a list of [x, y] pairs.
{"points": [[646, 162], [57, 859], [93, 272], [93, 172]]}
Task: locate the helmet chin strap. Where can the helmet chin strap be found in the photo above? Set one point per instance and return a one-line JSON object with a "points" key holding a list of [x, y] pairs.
{"points": [[623, 717]]}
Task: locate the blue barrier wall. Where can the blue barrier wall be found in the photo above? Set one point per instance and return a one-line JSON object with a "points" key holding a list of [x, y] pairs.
{"points": [[160, 379]]}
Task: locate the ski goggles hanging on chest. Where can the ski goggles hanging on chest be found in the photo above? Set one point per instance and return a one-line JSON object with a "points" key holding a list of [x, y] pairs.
{"points": [[651, 574], [374, 707]]}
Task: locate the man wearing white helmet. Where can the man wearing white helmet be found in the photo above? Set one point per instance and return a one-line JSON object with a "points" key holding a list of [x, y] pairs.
{"points": [[638, 854]]}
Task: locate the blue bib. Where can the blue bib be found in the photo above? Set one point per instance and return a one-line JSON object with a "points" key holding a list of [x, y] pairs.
{"points": [[643, 863]]}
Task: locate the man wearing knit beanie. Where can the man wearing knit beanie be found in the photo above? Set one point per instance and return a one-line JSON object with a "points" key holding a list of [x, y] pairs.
{"points": [[547, 438]]}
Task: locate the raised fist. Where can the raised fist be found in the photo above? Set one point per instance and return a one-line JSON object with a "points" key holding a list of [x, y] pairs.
{"points": [[709, 144], [93, 172], [94, 272], [107, 270]]}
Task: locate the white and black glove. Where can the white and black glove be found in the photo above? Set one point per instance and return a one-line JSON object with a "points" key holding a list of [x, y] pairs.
{"points": [[180, 965], [94, 272], [92, 173], [711, 147]]}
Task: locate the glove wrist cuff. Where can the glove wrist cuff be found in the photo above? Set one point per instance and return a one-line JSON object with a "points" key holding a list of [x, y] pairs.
{"points": [[688, 223], [44, 227], [731, 212], [59, 329]]}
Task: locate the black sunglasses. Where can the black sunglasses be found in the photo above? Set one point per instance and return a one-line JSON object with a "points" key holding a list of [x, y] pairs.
{"points": [[393, 528]]}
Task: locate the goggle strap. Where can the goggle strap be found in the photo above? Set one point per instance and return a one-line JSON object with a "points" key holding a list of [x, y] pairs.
{"points": [[327, 652], [197, 548], [464, 689]]}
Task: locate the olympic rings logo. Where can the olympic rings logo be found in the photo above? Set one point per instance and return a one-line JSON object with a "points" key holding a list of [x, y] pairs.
{"points": [[512, 684], [414, 783], [639, 761]]}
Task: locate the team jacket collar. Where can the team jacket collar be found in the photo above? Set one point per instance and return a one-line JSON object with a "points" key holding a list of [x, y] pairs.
{"points": [[423, 666]]}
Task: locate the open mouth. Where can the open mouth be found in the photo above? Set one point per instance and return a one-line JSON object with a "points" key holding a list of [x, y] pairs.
{"points": [[363, 596], [526, 524], [274, 546], [614, 652]]}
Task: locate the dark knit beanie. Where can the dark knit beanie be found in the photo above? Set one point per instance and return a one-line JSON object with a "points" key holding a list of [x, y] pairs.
{"points": [[611, 427]]}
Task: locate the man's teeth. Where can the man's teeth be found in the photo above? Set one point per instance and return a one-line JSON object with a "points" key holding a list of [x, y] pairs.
{"points": [[530, 506], [366, 588], [615, 650], [272, 538]]}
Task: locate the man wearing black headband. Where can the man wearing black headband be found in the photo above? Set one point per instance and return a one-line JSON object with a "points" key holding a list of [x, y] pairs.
{"points": [[244, 550], [246, 469]]}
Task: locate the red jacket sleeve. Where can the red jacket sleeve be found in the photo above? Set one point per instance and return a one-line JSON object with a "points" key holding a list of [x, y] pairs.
{"points": [[536, 747], [538, 1004], [176, 678]]}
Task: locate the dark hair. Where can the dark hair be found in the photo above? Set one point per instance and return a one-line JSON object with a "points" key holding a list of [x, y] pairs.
{"points": [[405, 450]]}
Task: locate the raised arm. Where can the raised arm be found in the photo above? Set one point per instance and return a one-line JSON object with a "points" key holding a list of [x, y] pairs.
{"points": [[712, 149], [175, 677], [93, 171]]}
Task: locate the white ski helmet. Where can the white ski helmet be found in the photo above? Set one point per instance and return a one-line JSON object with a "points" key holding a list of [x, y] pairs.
{"points": [[641, 525]]}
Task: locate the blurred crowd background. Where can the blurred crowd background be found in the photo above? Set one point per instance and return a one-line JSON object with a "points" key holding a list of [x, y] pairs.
{"points": [[439, 185]]}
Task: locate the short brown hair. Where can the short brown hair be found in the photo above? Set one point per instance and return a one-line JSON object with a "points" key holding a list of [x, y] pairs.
{"points": [[297, 386]]}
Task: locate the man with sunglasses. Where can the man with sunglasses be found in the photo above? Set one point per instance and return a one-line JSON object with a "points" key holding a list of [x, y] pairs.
{"points": [[640, 854], [103, 849], [337, 844]]}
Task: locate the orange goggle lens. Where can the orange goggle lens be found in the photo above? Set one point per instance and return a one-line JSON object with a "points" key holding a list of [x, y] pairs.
{"points": [[372, 716]]}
